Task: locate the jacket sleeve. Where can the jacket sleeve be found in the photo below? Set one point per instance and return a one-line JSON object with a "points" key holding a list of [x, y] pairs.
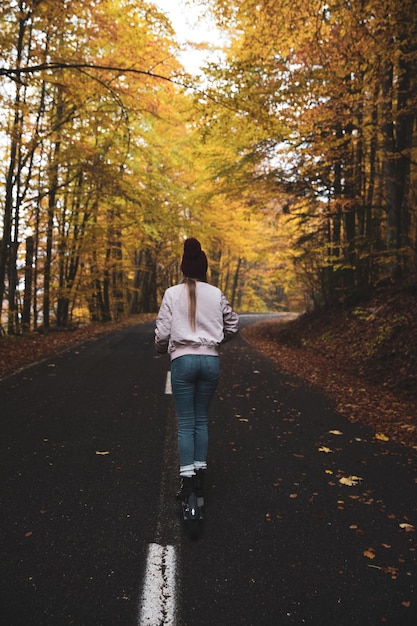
{"points": [[163, 326], [230, 320]]}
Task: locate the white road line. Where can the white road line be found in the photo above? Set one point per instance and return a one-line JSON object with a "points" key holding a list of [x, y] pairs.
{"points": [[159, 594], [168, 388]]}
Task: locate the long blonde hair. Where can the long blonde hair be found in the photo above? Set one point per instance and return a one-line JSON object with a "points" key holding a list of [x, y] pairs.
{"points": [[192, 301]]}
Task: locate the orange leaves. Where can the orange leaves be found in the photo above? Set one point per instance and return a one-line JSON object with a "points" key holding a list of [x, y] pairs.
{"points": [[325, 449], [339, 341], [350, 481], [409, 528], [392, 571], [369, 553]]}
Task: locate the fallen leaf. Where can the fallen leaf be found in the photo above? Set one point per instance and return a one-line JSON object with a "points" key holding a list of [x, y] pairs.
{"points": [[294, 495], [409, 528], [328, 471], [406, 603], [381, 437], [350, 481], [324, 449], [29, 534], [370, 554], [335, 432], [102, 453], [392, 571]]}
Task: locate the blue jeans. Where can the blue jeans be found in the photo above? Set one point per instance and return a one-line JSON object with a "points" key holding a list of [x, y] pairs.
{"points": [[194, 379]]}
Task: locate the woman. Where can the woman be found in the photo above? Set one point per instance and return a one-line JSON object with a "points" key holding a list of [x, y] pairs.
{"points": [[194, 320]]}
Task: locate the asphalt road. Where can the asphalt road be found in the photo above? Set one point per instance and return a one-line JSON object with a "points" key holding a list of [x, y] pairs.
{"points": [[309, 519]]}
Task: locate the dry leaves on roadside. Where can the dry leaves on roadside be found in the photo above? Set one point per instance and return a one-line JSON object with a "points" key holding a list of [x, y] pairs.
{"points": [[409, 528], [350, 481]]}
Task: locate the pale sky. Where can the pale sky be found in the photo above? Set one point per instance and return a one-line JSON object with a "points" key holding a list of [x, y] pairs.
{"points": [[190, 26]]}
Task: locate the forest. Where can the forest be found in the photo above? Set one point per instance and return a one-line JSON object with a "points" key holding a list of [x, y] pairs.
{"points": [[291, 155]]}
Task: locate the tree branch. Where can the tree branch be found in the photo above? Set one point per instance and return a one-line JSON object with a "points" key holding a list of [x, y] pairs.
{"points": [[42, 67]]}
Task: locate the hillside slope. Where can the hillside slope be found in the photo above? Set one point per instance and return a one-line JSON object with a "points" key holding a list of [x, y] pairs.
{"points": [[364, 358]]}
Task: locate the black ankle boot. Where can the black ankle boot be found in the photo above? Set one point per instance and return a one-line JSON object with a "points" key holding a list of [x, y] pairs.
{"points": [[199, 482], [186, 488]]}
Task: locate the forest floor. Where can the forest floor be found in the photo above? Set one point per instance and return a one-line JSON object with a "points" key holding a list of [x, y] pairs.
{"points": [[363, 358]]}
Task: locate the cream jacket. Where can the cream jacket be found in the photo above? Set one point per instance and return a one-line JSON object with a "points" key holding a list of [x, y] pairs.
{"points": [[216, 322]]}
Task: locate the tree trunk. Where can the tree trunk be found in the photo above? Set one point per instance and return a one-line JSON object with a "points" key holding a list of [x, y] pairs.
{"points": [[235, 282], [52, 196], [389, 170], [27, 300], [15, 140], [48, 258], [144, 297], [13, 321], [404, 143]]}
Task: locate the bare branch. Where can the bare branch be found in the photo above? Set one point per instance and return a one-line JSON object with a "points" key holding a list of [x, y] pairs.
{"points": [[42, 67]]}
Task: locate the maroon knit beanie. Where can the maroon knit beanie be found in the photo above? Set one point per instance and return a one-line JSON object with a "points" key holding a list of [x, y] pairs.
{"points": [[194, 261]]}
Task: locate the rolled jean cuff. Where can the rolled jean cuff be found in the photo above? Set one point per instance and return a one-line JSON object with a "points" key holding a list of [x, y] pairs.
{"points": [[200, 465], [187, 470]]}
